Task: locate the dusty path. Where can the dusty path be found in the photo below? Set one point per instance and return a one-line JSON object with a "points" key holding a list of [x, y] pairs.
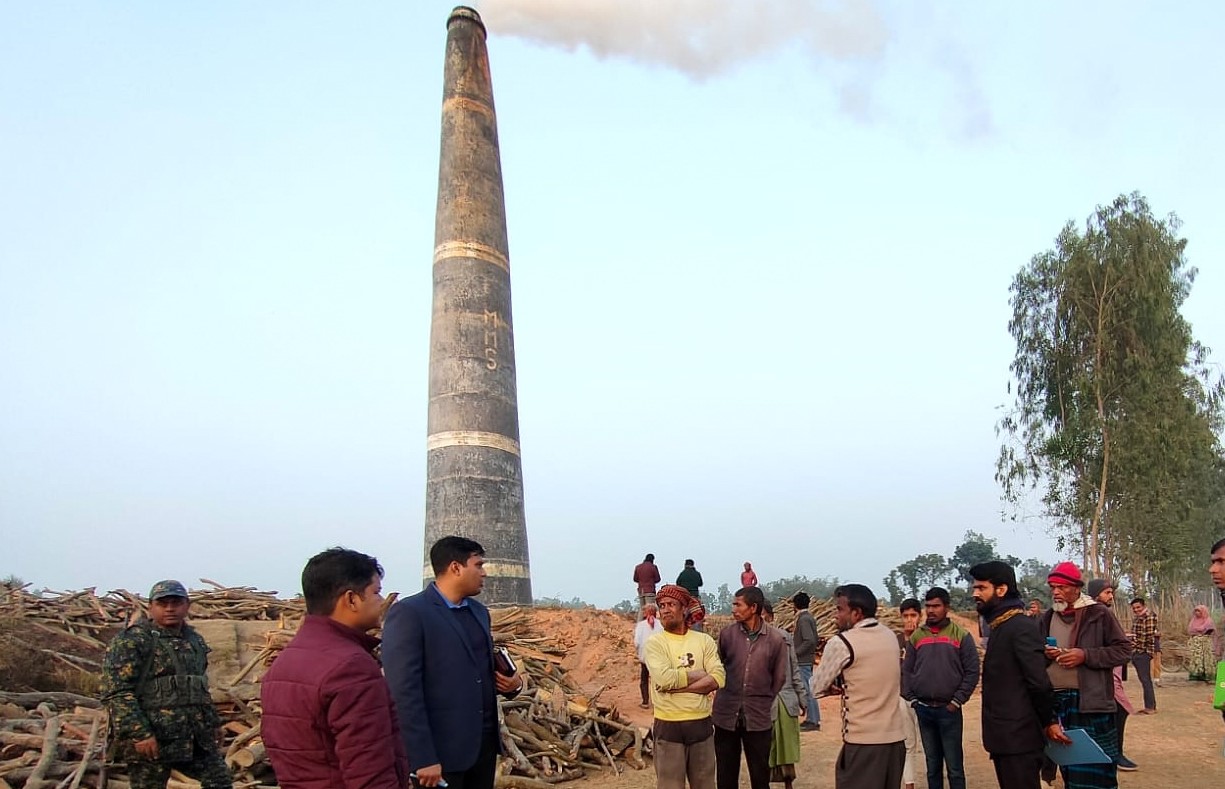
{"points": [[1181, 746]]}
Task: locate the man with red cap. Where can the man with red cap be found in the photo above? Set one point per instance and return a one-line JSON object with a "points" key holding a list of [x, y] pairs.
{"points": [[684, 668], [1088, 644]]}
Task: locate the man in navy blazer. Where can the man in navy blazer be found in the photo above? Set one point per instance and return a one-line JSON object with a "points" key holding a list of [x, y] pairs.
{"points": [[439, 662]]}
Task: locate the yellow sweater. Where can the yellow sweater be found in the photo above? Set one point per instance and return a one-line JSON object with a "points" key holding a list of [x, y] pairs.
{"points": [[670, 658]]}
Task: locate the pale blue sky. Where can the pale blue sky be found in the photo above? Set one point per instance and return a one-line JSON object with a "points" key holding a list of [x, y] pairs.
{"points": [[760, 306]]}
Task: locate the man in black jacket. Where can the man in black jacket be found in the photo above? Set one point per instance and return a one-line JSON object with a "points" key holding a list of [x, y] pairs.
{"points": [[1018, 708]]}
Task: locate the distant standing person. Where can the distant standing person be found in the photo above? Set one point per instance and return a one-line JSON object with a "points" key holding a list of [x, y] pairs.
{"points": [[1035, 609], [756, 659], [1216, 570], [690, 580], [646, 575], [939, 675], [155, 687], [648, 626], [748, 577], [1102, 590], [685, 669], [862, 662], [1145, 631], [1201, 667], [1018, 715], [328, 718], [788, 706], [806, 641], [912, 614]]}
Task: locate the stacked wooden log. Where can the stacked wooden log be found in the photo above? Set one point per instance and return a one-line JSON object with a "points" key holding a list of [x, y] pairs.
{"points": [[551, 732], [822, 611]]}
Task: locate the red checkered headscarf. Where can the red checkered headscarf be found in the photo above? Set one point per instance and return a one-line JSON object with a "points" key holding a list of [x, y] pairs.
{"points": [[677, 593]]}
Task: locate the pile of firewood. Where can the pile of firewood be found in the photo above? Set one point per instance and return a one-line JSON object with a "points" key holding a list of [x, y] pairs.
{"points": [[822, 611], [551, 732]]}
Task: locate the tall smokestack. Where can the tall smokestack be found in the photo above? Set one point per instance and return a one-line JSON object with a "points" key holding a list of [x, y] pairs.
{"points": [[474, 477]]}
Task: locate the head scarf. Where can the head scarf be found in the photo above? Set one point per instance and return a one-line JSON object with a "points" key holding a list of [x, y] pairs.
{"points": [[674, 592], [1201, 623]]}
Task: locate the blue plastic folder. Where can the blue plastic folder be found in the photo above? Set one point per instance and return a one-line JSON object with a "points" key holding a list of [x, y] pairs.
{"points": [[1083, 750]]}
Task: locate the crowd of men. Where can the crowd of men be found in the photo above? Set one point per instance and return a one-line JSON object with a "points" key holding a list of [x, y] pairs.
{"points": [[428, 716]]}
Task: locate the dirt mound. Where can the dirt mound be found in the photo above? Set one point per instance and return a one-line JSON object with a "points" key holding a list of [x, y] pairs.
{"points": [[600, 656]]}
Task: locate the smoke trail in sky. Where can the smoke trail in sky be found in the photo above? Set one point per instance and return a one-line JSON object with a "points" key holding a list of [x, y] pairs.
{"points": [[701, 38], [706, 38]]}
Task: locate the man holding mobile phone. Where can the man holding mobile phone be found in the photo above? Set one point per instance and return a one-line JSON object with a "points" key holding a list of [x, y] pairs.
{"points": [[440, 661]]}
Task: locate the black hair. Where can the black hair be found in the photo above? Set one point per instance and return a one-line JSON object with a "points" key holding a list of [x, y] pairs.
{"points": [[1218, 545], [998, 573], [453, 549], [859, 597], [1139, 600], [800, 601], [689, 562], [938, 593], [910, 604], [751, 595], [330, 574], [650, 557], [768, 607]]}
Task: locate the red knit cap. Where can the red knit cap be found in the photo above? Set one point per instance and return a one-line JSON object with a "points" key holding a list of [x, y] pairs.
{"points": [[1067, 574]]}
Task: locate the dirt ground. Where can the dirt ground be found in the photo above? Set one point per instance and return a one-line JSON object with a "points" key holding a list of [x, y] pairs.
{"points": [[1181, 746]]}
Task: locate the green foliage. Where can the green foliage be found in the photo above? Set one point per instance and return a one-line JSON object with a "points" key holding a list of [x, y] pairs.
{"points": [[573, 602], [975, 549], [1117, 411], [12, 582], [626, 607], [915, 577], [817, 588]]}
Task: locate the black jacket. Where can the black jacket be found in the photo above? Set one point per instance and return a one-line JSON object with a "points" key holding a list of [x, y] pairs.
{"points": [[1098, 633], [1017, 696]]}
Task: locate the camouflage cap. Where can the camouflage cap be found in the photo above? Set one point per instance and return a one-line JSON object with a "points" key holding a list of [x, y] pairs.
{"points": [[167, 589]]}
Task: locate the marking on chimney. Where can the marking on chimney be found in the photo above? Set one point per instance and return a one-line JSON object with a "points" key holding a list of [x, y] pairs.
{"points": [[470, 249], [471, 438], [465, 103], [500, 569]]}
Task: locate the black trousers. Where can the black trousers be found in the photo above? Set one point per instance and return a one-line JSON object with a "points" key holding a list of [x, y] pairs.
{"points": [[1120, 723], [480, 774], [756, 745], [1018, 770], [644, 683]]}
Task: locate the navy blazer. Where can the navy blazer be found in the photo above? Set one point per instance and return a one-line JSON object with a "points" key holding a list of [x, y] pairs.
{"points": [[436, 680]]}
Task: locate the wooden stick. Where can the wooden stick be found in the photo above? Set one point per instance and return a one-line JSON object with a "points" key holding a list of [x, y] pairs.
{"points": [[89, 749], [50, 741]]}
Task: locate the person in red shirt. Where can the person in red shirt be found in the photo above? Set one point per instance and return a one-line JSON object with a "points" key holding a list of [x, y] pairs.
{"points": [[646, 575], [748, 577]]}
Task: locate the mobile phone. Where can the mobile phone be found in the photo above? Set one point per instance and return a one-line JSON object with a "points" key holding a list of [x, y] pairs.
{"points": [[442, 784], [503, 663], [1051, 642]]}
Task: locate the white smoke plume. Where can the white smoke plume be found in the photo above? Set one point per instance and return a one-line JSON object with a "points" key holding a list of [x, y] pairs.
{"points": [[848, 41], [702, 38]]}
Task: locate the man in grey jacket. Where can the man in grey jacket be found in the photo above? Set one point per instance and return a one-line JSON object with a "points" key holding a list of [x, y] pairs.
{"points": [[756, 659], [806, 653]]}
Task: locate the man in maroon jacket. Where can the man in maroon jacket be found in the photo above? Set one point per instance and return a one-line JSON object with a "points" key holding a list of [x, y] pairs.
{"points": [[646, 575], [329, 721]]}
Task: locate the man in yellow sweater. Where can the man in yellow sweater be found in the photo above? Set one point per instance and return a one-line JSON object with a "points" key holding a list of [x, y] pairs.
{"points": [[685, 669]]}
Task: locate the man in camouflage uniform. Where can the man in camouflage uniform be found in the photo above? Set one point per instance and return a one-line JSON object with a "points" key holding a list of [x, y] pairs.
{"points": [[155, 687]]}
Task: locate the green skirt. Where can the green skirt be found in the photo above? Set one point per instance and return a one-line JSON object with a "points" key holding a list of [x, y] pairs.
{"points": [[1201, 667], [785, 746]]}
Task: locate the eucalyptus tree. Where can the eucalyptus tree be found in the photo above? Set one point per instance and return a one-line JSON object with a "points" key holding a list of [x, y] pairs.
{"points": [[1116, 414]]}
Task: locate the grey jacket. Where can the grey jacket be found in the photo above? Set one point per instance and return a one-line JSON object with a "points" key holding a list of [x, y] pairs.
{"points": [[806, 638], [792, 693]]}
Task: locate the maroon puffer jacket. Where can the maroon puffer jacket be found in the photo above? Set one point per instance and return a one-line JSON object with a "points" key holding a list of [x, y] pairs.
{"points": [[329, 721]]}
